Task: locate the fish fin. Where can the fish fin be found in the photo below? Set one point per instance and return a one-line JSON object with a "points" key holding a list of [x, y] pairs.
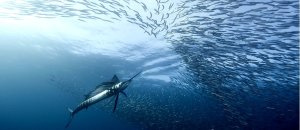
{"points": [[69, 122], [86, 96], [70, 110], [124, 93], [115, 79], [116, 102], [105, 84], [70, 119]]}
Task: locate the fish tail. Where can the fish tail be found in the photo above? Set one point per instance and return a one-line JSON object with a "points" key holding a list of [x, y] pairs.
{"points": [[71, 111], [70, 119]]}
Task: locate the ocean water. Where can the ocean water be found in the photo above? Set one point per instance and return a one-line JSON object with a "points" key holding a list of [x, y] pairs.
{"points": [[207, 65]]}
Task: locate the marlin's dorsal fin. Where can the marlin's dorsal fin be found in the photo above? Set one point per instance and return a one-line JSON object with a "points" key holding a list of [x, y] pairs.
{"points": [[115, 79], [105, 84]]}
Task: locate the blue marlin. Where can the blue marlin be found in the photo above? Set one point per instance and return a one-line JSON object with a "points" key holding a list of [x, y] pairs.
{"points": [[101, 92]]}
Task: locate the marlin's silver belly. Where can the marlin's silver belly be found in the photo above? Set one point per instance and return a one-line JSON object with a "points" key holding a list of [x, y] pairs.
{"points": [[97, 98], [85, 104]]}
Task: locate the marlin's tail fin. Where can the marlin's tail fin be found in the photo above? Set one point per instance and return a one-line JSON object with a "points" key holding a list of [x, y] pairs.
{"points": [[71, 117], [70, 110]]}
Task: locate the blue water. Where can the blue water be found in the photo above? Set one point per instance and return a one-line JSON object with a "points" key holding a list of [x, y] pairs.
{"points": [[206, 64]]}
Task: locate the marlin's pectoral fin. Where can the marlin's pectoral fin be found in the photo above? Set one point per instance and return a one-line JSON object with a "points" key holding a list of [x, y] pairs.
{"points": [[124, 93], [116, 102]]}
